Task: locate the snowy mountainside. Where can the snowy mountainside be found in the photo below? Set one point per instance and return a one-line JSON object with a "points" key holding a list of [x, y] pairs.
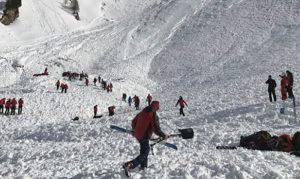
{"points": [[217, 54]]}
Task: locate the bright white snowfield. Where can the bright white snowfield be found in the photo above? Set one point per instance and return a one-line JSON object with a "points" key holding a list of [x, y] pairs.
{"points": [[217, 54]]}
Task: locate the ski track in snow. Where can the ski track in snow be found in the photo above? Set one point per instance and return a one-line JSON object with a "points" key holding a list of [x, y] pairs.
{"points": [[216, 54]]}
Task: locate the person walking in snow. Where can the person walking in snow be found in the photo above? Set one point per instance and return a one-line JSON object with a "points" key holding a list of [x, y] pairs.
{"points": [[86, 81], [290, 84], [107, 87], [20, 107], [66, 87], [124, 97], [129, 100], [283, 86], [149, 99], [110, 87], [144, 125], [57, 84], [271, 88], [7, 107], [95, 81], [181, 103], [2, 103], [99, 79], [13, 106], [62, 86], [95, 110], [136, 100], [111, 110]]}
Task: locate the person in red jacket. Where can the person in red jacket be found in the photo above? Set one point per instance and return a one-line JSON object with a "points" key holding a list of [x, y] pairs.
{"points": [[2, 103], [13, 106], [283, 85], [57, 84], [181, 103], [110, 87], [7, 107], [136, 100], [20, 102], [62, 87], [144, 125], [66, 87], [149, 99], [290, 78]]}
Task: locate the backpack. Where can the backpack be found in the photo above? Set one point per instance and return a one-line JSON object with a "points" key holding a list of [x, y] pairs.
{"points": [[257, 141]]}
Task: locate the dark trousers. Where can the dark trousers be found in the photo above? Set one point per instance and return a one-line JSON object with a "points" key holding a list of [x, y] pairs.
{"points": [[20, 109], [142, 159], [290, 92], [149, 103], [1, 109], [181, 111], [137, 106], [6, 111], [65, 90], [57, 87], [13, 110], [111, 113], [272, 92]]}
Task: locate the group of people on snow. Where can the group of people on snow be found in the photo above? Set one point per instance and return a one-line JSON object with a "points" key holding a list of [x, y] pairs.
{"points": [[63, 86], [286, 86], [10, 106]]}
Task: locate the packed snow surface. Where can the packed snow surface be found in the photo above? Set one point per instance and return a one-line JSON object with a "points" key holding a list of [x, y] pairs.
{"points": [[216, 54]]}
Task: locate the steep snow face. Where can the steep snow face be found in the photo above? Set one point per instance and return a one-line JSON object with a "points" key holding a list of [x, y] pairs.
{"points": [[44, 17], [236, 43]]}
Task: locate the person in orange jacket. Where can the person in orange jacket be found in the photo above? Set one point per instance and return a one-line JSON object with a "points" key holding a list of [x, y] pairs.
{"points": [[181, 103], [7, 107], [13, 106], [2, 103], [20, 107]]}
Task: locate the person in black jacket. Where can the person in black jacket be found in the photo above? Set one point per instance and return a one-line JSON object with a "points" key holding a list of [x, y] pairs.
{"points": [[290, 84], [271, 88]]}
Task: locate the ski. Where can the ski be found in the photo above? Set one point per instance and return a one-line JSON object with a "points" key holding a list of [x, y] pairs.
{"points": [[167, 144]]}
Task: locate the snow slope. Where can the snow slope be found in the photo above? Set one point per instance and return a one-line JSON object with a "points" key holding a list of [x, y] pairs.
{"points": [[217, 54]]}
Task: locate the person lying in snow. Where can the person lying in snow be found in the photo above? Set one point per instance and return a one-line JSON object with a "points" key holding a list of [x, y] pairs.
{"points": [[263, 140]]}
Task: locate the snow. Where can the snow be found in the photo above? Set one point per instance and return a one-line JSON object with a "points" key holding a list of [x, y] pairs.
{"points": [[217, 54]]}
